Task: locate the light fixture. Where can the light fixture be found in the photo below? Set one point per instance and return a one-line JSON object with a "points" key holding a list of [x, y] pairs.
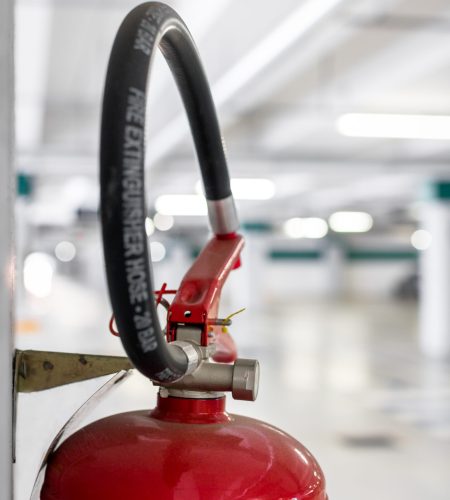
{"points": [[149, 226], [157, 251], [163, 222], [435, 127], [308, 227], [252, 189], [247, 188], [38, 271], [65, 251], [181, 204], [351, 222], [421, 239]]}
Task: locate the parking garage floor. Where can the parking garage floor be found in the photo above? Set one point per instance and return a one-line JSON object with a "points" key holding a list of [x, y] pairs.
{"points": [[344, 377]]}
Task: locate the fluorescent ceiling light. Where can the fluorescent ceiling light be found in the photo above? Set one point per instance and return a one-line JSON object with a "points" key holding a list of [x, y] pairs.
{"points": [[435, 127], [181, 204], [149, 226], [247, 188], [421, 239], [163, 222], [65, 251], [351, 222], [157, 251], [38, 271], [309, 227], [252, 189]]}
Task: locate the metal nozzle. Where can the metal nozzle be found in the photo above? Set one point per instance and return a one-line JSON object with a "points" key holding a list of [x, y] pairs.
{"points": [[241, 379], [245, 379]]}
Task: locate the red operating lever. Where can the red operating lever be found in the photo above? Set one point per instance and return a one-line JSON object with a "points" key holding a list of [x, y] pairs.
{"points": [[196, 302]]}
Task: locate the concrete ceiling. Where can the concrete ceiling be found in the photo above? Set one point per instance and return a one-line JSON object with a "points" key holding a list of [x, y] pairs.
{"points": [[281, 76]]}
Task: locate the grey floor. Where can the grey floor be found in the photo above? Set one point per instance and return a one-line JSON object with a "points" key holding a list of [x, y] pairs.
{"points": [[343, 377]]}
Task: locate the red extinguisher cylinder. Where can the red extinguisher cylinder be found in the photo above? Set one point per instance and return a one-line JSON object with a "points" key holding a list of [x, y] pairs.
{"points": [[184, 449]]}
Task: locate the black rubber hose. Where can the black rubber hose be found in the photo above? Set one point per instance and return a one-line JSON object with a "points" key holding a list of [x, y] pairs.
{"points": [[123, 206]]}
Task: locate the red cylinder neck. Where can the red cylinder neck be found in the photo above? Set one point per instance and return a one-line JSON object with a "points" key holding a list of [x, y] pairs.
{"points": [[190, 411]]}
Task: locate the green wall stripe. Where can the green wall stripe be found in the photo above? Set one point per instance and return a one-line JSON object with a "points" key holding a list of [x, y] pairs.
{"points": [[295, 255], [350, 255], [257, 227], [437, 190], [24, 184], [381, 255]]}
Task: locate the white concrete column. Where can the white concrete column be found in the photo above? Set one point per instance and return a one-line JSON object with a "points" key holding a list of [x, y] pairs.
{"points": [[335, 268], [6, 240], [255, 263], [434, 266]]}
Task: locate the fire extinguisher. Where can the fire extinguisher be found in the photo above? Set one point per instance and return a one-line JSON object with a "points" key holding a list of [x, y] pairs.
{"points": [[188, 447]]}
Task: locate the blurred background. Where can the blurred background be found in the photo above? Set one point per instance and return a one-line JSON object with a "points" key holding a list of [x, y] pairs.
{"points": [[336, 117]]}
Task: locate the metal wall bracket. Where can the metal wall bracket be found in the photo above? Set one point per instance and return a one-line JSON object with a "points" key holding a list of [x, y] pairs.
{"points": [[35, 371], [40, 370]]}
